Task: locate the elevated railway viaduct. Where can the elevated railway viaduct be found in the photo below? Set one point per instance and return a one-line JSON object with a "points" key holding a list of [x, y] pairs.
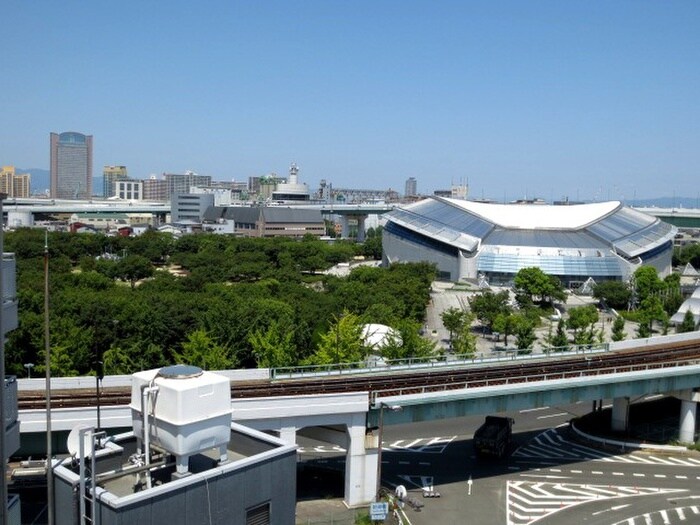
{"points": [[346, 409]]}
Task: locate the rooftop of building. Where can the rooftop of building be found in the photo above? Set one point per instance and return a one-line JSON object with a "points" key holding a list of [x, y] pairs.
{"points": [[121, 475]]}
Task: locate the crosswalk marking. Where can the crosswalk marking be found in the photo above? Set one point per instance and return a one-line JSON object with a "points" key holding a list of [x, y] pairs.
{"points": [[434, 445], [553, 444], [530, 501], [662, 516]]}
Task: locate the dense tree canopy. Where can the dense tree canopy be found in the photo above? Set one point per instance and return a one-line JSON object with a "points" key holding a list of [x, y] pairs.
{"points": [[212, 300]]}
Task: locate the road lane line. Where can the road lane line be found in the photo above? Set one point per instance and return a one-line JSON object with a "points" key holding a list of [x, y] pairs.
{"points": [[559, 414]]}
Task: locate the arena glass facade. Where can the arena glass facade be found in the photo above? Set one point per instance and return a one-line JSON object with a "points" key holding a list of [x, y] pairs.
{"points": [[466, 240]]}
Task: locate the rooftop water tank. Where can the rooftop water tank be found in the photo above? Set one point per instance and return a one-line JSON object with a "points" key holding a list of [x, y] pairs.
{"points": [[187, 409]]}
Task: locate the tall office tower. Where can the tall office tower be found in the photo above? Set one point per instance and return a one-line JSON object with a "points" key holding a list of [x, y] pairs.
{"points": [[71, 166], [110, 175], [14, 184], [411, 187]]}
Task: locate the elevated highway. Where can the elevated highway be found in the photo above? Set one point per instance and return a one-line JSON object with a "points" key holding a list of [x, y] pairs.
{"points": [[349, 410]]}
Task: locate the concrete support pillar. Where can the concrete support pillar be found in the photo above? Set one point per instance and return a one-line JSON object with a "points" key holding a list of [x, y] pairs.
{"points": [[361, 228], [686, 432], [345, 223], [288, 435], [620, 414], [360, 468]]}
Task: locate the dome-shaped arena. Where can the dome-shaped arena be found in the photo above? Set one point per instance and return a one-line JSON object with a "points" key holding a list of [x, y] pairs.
{"points": [[468, 240]]}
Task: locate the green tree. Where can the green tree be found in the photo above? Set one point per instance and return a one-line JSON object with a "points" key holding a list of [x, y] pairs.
{"points": [[651, 309], [618, 329], [465, 341], [581, 318], [273, 347], [372, 247], [615, 294], [202, 351], [409, 342], [646, 282], [560, 340], [488, 305], [688, 323], [117, 361], [453, 319], [524, 330], [342, 343], [644, 329], [535, 284], [61, 359], [504, 324]]}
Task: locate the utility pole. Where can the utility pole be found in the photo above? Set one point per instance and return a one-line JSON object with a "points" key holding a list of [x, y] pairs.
{"points": [[3, 422], [47, 353]]}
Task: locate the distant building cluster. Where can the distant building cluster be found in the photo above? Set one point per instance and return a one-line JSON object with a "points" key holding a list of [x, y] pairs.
{"points": [[71, 178]]}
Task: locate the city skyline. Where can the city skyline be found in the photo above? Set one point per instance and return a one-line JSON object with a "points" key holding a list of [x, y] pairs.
{"points": [[519, 100]]}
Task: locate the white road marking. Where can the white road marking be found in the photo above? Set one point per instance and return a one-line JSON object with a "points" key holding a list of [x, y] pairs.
{"points": [[659, 475], [533, 410], [559, 414], [639, 475]]}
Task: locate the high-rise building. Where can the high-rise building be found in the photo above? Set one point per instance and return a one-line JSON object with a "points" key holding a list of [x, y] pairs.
{"points": [[411, 187], [14, 184], [71, 165], [181, 183], [111, 174], [155, 189]]}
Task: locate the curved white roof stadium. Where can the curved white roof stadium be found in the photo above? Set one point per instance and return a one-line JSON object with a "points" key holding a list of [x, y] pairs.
{"points": [[605, 240]]}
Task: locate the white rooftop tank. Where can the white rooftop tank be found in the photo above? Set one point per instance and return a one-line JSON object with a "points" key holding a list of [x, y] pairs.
{"points": [[187, 410]]}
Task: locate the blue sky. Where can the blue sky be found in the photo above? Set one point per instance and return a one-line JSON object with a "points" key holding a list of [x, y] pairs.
{"points": [[590, 99]]}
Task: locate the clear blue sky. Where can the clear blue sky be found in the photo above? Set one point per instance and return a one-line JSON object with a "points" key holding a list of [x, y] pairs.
{"points": [[590, 99]]}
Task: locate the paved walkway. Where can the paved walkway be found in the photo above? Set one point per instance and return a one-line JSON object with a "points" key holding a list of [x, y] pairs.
{"points": [[325, 511]]}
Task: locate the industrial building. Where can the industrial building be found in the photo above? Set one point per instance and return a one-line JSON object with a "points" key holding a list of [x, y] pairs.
{"points": [[471, 240]]}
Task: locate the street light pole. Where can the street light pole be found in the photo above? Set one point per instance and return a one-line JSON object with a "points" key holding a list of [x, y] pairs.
{"points": [[47, 366], [380, 432], [3, 422], [379, 451]]}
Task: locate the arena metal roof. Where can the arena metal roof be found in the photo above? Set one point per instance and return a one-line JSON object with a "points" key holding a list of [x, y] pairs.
{"points": [[538, 216], [597, 227]]}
